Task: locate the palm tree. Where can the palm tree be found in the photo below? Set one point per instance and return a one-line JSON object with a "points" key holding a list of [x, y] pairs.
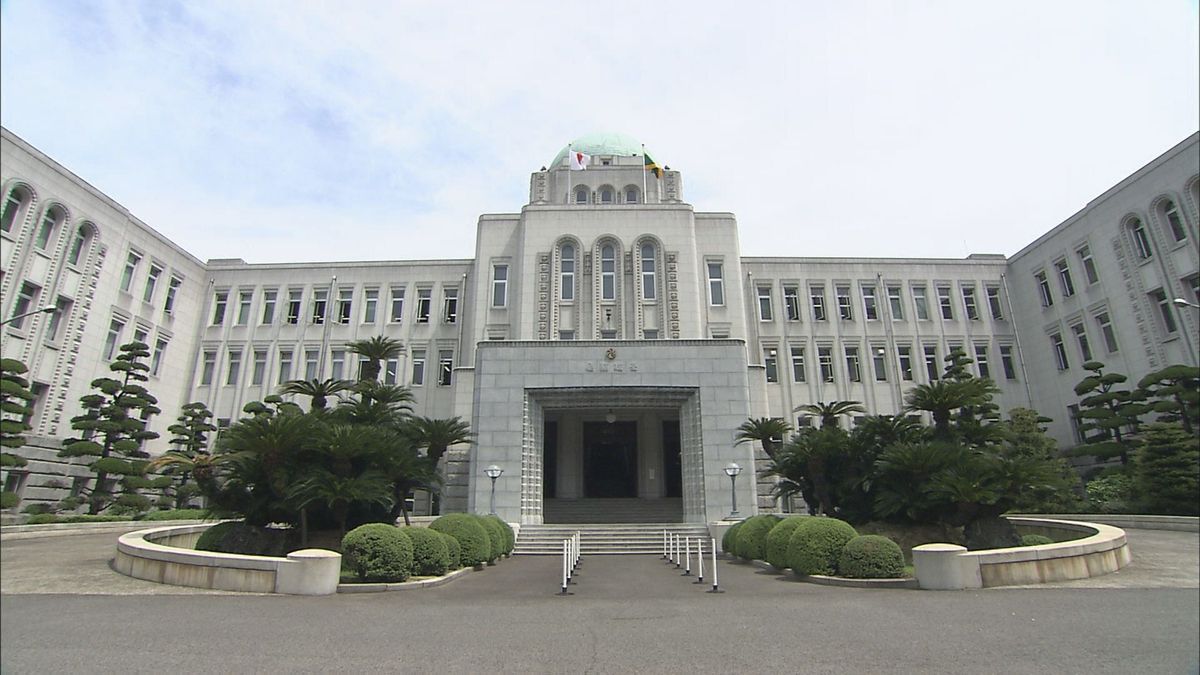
{"points": [[375, 351], [941, 398], [437, 435], [338, 492], [829, 413], [318, 391], [380, 404], [770, 431]]}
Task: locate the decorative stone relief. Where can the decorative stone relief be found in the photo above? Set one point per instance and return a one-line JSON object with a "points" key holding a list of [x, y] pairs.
{"points": [[1134, 291]]}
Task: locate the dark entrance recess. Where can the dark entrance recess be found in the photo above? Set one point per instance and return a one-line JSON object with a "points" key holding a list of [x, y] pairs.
{"points": [[672, 464], [610, 459], [550, 459]]}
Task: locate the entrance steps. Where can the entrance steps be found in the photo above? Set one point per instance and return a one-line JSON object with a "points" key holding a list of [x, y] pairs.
{"points": [[613, 510], [604, 538]]}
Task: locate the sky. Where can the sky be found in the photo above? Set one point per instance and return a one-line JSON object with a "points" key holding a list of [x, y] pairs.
{"points": [[364, 130]]}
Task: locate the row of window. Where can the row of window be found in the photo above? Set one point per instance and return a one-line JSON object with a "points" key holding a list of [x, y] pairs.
{"points": [[1079, 332], [48, 226], [150, 283], [288, 305], [607, 194], [882, 369], [115, 337], [874, 306], [1173, 224], [306, 364], [1066, 282]]}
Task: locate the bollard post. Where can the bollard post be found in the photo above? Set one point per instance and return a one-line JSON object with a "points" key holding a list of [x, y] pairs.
{"points": [[664, 555], [715, 588], [687, 556], [564, 590], [567, 553], [677, 561], [699, 561]]}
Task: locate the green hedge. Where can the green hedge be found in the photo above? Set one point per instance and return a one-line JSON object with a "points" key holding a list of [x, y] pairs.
{"points": [[176, 514], [510, 537], [871, 556], [496, 538], [729, 539], [752, 537], [378, 552], [816, 544], [1035, 540], [9, 499], [472, 538], [431, 556], [238, 537], [454, 550], [778, 538]]}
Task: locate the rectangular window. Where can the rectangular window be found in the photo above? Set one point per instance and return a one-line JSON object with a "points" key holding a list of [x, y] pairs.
{"points": [[370, 304], [172, 292], [1159, 298], [208, 368], [26, 300], [156, 357], [131, 264], [716, 284], [1064, 278], [608, 335], [1060, 351], [981, 361], [816, 295], [969, 306], [312, 358], [944, 302], [418, 367], [320, 306], [260, 367], [235, 367], [993, 298], [62, 309], [337, 363], [771, 362], [870, 303], [220, 300], [608, 273], [151, 283], [1044, 289], [1006, 361], [49, 221], [285, 365], [113, 339], [649, 285], [921, 302], [1089, 265], [566, 280], [853, 371], [845, 308], [799, 373], [879, 362], [499, 286], [141, 334], [1174, 221], [244, 299], [825, 361], [397, 310], [791, 302], [895, 303], [764, 303], [1193, 283], [932, 367], [424, 304], [445, 367], [1107, 332], [345, 306], [649, 333], [1141, 240], [76, 250], [12, 204], [904, 360], [391, 370], [295, 298], [566, 335], [1081, 338], [450, 305], [268, 313]]}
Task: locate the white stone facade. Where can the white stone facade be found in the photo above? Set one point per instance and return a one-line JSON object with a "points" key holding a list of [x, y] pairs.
{"points": [[606, 299]]}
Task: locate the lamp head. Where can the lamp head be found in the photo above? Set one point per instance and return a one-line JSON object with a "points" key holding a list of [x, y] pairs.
{"points": [[732, 469], [493, 472]]}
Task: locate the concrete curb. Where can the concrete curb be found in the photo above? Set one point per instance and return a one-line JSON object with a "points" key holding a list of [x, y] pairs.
{"points": [[843, 582], [404, 586], [1125, 521], [20, 532]]}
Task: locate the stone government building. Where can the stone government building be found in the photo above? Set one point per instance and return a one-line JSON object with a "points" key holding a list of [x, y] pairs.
{"points": [[604, 342]]}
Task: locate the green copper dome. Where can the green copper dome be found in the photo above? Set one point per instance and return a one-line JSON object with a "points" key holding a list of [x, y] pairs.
{"points": [[604, 143]]}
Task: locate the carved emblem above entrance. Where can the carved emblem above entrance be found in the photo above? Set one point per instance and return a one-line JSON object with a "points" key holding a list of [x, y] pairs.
{"points": [[610, 354]]}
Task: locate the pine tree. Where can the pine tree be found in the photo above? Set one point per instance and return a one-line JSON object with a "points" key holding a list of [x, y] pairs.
{"points": [[190, 438], [1108, 410], [1174, 393], [1166, 475], [14, 410]]}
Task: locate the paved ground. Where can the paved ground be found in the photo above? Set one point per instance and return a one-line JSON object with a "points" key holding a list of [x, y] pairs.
{"points": [[627, 614]]}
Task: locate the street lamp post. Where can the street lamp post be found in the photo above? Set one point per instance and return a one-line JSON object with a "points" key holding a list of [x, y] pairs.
{"points": [[732, 470], [493, 472], [40, 310]]}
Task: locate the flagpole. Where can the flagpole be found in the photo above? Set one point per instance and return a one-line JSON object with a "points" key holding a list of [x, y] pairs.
{"points": [[569, 151], [644, 196]]}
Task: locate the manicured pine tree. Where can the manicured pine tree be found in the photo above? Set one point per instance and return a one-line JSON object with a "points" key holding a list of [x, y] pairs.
{"points": [[14, 410], [112, 429], [1166, 473], [1108, 410], [190, 438], [1174, 393]]}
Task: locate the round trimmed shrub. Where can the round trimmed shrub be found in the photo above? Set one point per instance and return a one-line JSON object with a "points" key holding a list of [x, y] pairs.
{"points": [[752, 537], [1035, 540], [431, 556], [378, 552], [473, 539], [510, 537], [452, 547], [871, 556], [495, 537], [729, 539], [816, 544], [778, 538]]}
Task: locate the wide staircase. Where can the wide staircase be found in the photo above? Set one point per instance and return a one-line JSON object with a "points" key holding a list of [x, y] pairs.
{"points": [[604, 538]]}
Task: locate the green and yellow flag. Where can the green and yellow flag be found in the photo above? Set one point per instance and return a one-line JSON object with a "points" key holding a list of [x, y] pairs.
{"points": [[651, 165]]}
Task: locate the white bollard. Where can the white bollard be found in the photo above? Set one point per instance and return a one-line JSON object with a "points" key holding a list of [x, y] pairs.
{"points": [[677, 561], [564, 567], [715, 588], [664, 555], [687, 557], [700, 561]]}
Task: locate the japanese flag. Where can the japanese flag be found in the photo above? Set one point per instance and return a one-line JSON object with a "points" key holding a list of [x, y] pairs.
{"points": [[579, 160]]}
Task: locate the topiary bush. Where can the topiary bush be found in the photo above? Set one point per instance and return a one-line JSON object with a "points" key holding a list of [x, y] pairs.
{"points": [[238, 537], [729, 539], [816, 544], [431, 556], [455, 551], [752, 537], [778, 538], [1035, 540], [871, 556], [37, 508], [176, 514], [473, 539], [9, 499], [378, 552], [42, 519], [496, 536], [510, 537]]}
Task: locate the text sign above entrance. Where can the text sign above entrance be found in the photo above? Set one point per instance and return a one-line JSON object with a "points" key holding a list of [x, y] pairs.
{"points": [[610, 366]]}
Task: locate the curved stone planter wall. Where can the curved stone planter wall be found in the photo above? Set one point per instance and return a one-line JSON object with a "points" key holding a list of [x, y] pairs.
{"points": [[164, 555], [1101, 549]]}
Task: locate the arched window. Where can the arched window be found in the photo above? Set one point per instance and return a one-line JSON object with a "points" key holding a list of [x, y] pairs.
{"points": [[15, 203], [78, 245], [608, 273], [1141, 240], [631, 194], [567, 272], [649, 288], [606, 195], [581, 195], [1174, 221], [50, 221]]}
